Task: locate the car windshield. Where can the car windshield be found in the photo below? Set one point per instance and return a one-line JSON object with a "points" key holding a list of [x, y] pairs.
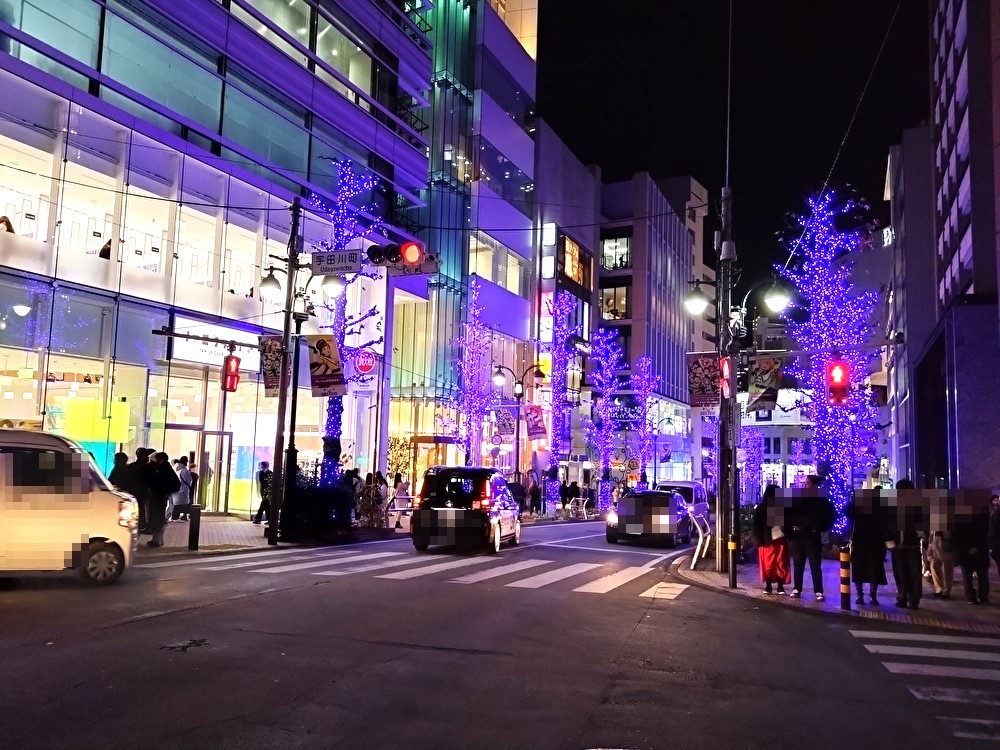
{"points": [[686, 492], [457, 487], [649, 500]]}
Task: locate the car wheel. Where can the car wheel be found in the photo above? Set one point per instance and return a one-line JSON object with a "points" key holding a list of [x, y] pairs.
{"points": [[670, 540], [420, 546], [516, 539], [101, 564], [611, 536], [495, 541]]}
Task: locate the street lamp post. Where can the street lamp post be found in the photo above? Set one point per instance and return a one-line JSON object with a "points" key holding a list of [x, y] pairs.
{"points": [[656, 447], [499, 379]]}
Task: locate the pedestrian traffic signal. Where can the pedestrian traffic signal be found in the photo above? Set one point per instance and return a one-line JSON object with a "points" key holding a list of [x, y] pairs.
{"points": [[726, 377], [838, 382], [230, 373]]}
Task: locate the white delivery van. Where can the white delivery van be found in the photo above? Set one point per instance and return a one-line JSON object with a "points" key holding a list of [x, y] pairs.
{"points": [[59, 512]]}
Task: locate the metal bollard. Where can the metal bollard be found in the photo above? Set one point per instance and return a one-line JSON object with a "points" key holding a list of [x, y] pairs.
{"points": [[194, 526], [845, 578]]}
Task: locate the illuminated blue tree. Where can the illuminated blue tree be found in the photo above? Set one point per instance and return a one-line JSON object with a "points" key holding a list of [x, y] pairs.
{"points": [[752, 474], [349, 224], [473, 365], [601, 426], [644, 383], [837, 326], [559, 349]]}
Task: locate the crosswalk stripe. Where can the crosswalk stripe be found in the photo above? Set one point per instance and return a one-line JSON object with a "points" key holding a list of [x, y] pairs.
{"points": [[559, 574], [427, 570], [485, 575], [956, 639], [262, 556], [664, 590], [252, 563], [973, 729], [613, 581], [325, 562], [956, 695], [931, 653], [380, 565], [936, 670]]}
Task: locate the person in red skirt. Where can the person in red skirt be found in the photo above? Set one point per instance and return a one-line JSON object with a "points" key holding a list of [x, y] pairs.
{"points": [[772, 546]]}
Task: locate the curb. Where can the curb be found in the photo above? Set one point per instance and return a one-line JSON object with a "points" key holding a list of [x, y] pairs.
{"points": [[922, 620]]}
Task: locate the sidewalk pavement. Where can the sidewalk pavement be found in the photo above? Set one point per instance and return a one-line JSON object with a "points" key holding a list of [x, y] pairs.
{"points": [[221, 533], [953, 613]]}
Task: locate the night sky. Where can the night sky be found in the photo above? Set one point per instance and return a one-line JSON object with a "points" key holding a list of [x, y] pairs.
{"points": [[641, 86]]}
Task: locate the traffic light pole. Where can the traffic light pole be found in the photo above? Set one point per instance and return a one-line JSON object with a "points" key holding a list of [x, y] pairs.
{"points": [[278, 475]]}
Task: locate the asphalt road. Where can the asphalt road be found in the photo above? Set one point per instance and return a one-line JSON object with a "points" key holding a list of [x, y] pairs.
{"points": [[563, 642]]}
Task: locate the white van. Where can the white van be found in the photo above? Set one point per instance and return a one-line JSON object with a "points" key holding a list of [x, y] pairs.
{"points": [[59, 512]]}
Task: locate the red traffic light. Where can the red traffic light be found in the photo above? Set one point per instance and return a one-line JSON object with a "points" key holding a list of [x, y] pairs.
{"points": [[230, 373], [726, 377], [413, 254], [838, 383]]}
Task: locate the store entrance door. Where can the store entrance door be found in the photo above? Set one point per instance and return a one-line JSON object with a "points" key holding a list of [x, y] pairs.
{"points": [[214, 471]]}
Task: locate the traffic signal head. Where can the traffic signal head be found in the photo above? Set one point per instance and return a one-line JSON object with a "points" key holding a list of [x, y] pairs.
{"points": [[409, 254], [379, 255], [230, 373], [413, 254], [838, 382], [726, 377]]}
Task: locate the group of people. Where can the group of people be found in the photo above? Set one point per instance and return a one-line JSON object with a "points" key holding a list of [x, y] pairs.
{"points": [[163, 489], [784, 550]]}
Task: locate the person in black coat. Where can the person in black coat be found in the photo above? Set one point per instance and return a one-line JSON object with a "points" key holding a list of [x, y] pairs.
{"points": [[971, 536], [134, 480], [163, 482], [868, 533], [907, 563], [812, 515], [994, 530], [119, 473]]}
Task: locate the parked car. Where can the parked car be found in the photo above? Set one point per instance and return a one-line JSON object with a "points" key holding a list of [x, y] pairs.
{"points": [[465, 505], [650, 515], [59, 512], [692, 491]]}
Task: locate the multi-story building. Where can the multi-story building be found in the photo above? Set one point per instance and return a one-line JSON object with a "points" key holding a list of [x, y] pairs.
{"points": [[909, 298], [956, 406], [151, 151], [649, 246]]}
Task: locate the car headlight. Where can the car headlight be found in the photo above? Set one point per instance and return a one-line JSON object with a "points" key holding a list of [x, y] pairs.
{"points": [[612, 518], [128, 513]]}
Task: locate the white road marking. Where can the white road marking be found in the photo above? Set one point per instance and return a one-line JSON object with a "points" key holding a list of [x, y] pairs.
{"points": [[262, 556], [973, 729], [957, 695], [380, 565], [427, 570], [609, 549], [325, 563], [664, 590], [252, 563], [936, 670], [485, 575], [613, 581], [956, 639], [932, 653], [544, 579]]}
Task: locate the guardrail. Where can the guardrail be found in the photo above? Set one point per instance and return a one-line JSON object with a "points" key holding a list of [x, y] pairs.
{"points": [[701, 519]]}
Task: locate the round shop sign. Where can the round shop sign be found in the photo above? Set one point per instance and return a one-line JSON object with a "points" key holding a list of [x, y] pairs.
{"points": [[633, 464], [496, 440], [364, 362]]}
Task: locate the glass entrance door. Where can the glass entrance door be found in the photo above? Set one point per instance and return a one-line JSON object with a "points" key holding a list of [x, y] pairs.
{"points": [[215, 465]]}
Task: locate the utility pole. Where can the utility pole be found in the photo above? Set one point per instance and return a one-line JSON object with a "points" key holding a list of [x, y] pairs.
{"points": [[278, 479]]}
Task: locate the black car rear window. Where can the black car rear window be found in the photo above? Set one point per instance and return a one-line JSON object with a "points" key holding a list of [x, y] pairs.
{"points": [[686, 492], [459, 488]]}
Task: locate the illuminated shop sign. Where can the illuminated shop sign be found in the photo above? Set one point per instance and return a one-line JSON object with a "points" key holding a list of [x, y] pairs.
{"points": [[205, 353]]}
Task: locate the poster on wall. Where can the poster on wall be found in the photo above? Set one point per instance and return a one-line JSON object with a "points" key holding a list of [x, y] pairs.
{"points": [[534, 421], [326, 375], [703, 379], [270, 364], [764, 383]]}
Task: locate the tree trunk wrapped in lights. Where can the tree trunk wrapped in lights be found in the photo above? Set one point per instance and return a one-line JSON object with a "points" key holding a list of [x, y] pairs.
{"points": [[602, 431], [476, 394], [644, 383], [559, 349]]}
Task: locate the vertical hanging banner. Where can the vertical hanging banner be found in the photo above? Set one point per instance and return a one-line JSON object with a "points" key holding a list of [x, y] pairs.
{"points": [[534, 421], [326, 373], [506, 422], [270, 364], [764, 383], [703, 379]]}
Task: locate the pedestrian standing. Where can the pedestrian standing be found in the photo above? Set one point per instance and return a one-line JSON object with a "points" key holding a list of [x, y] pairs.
{"points": [[814, 516], [135, 481], [994, 530], [773, 556], [535, 495], [574, 495], [181, 500], [868, 532], [163, 482], [263, 480], [941, 554], [563, 497], [119, 474], [904, 546], [972, 555]]}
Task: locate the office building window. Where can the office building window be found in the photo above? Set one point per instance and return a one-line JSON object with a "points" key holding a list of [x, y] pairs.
{"points": [[614, 303], [615, 253]]}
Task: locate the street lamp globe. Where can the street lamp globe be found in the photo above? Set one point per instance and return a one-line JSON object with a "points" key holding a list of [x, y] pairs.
{"points": [[499, 378], [332, 285], [538, 375], [270, 287], [696, 301], [776, 298], [21, 310], [518, 389]]}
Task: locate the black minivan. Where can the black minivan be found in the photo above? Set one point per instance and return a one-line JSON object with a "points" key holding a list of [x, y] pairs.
{"points": [[465, 505]]}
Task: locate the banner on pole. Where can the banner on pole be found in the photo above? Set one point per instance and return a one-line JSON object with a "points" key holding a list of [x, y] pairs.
{"points": [[764, 383], [326, 372], [270, 364], [534, 421], [506, 422], [703, 379]]}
